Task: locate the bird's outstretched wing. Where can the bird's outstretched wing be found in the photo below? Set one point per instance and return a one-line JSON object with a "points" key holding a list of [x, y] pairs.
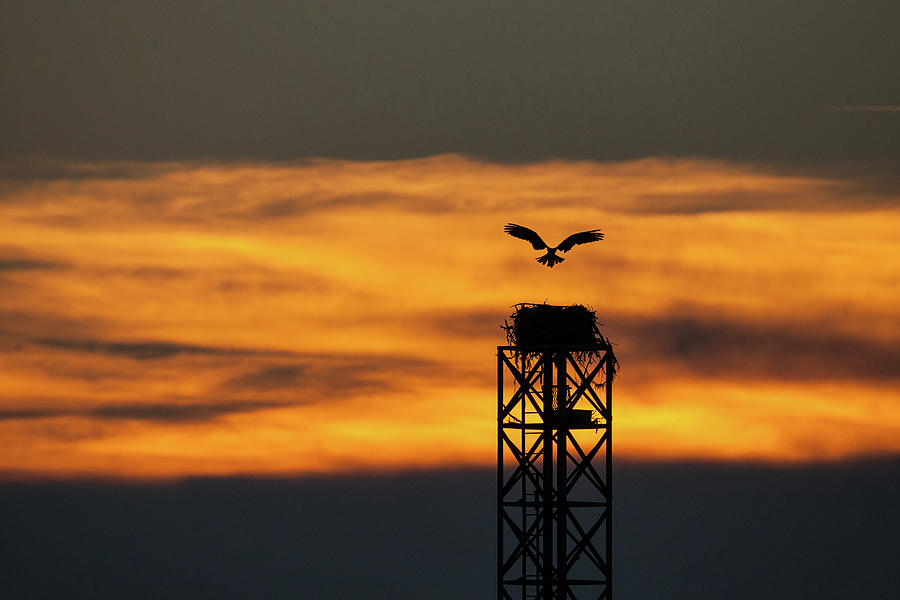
{"points": [[523, 233], [583, 237]]}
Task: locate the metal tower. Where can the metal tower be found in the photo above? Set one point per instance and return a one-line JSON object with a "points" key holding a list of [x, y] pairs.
{"points": [[554, 463]]}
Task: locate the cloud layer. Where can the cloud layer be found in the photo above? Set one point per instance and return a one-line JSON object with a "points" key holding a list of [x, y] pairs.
{"points": [[178, 318], [510, 80]]}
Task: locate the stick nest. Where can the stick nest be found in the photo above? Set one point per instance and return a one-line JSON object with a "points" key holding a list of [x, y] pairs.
{"points": [[535, 325]]}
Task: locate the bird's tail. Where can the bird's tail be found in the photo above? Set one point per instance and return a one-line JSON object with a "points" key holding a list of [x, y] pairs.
{"points": [[549, 259]]}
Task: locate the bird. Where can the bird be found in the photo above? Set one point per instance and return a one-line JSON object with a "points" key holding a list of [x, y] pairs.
{"points": [[550, 258]]}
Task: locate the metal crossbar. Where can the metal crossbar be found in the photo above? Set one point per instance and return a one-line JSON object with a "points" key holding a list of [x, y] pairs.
{"points": [[555, 503]]}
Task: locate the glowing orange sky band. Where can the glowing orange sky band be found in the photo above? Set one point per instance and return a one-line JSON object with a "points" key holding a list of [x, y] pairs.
{"points": [[176, 319]]}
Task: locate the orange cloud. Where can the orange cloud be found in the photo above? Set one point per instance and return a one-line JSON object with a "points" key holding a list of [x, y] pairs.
{"points": [[175, 319]]}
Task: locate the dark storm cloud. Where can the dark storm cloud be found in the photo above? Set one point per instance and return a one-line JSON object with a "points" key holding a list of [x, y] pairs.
{"points": [[720, 347], [158, 412], [508, 80]]}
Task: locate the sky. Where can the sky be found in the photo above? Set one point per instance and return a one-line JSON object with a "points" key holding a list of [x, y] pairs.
{"points": [[253, 275], [244, 238], [189, 318], [804, 81]]}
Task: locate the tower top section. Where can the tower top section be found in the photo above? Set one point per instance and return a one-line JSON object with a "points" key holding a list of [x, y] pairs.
{"points": [[546, 325]]}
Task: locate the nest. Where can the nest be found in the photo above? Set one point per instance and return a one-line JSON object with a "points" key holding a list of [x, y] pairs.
{"points": [[547, 325]]}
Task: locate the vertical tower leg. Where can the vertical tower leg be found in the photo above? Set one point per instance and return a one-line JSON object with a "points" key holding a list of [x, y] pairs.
{"points": [[561, 477], [500, 401], [610, 371], [547, 479], [554, 513]]}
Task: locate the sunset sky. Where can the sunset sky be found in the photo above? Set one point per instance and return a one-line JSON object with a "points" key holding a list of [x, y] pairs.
{"points": [[268, 240], [175, 318], [253, 275]]}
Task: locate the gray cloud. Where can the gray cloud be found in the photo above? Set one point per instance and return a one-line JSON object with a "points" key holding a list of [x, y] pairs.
{"points": [[300, 206], [307, 370], [856, 190], [28, 264], [18, 170], [15, 258], [179, 413], [325, 377], [302, 376], [148, 350], [719, 347], [280, 208], [23, 325], [697, 203], [872, 108], [507, 80], [161, 412], [734, 187], [476, 323], [270, 378]]}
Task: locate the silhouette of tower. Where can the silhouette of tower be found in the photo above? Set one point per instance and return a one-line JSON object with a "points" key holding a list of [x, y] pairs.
{"points": [[554, 463]]}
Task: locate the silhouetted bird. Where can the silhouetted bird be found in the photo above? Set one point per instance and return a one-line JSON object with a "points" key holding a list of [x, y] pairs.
{"points": [[550, 258]]}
